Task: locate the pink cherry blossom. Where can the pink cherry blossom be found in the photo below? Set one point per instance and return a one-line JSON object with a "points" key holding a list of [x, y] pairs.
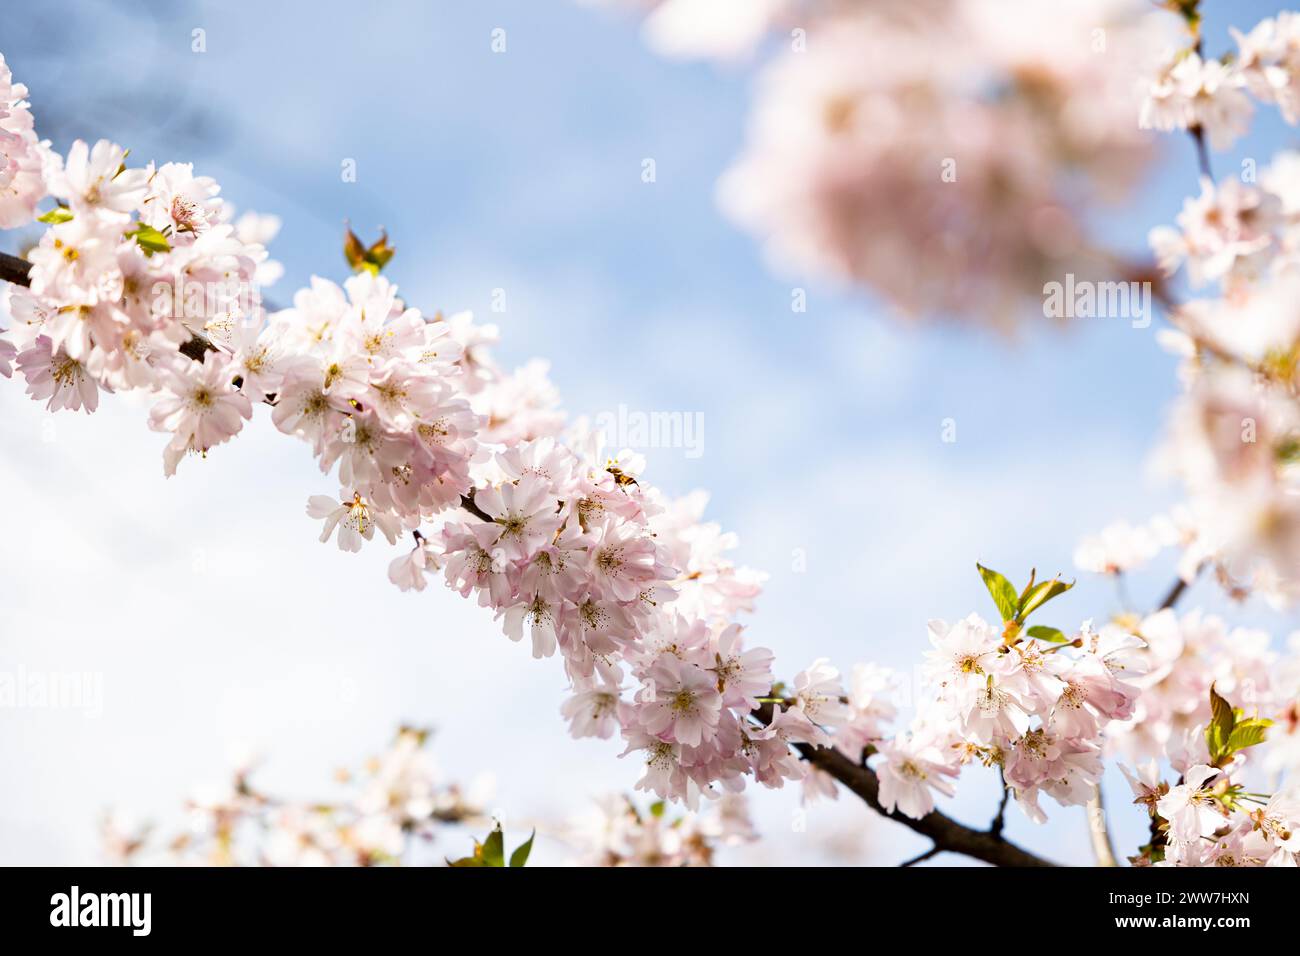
{"points": [[201, 408], [355, 519], [685, 702]]}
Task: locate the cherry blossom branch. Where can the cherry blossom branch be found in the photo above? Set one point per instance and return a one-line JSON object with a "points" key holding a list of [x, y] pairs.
{"points": [[17, 270], [947, 834]]}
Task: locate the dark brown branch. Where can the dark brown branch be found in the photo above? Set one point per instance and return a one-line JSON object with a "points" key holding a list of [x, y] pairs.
{"points": [[467, 502], [947, 834], [14, 269]]}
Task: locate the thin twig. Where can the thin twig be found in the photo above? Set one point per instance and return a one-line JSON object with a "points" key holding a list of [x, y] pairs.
{"points": [[1000, 821], [1179, 587], [1174, 594], [1202, 151], [1102, 848], [1198, 133], [928, 854]]}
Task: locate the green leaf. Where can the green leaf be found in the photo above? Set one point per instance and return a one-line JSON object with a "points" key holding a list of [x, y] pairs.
{"points": [[657, 808], [1039, 595], [492, 852], [363, 258], [1033, 574], [56, 215], [1247, 733], [150, 239], [1219, 729], [1048, 634], [474, 860], [494, 849], [520, 856], [1004, 595]]}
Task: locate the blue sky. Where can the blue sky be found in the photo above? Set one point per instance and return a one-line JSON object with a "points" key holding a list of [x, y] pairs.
{"points": [[521, 171]]}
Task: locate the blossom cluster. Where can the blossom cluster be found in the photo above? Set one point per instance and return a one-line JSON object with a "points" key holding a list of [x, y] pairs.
{"points": [[576, 552], [22, 157], [1181, 660], [1037, 708], [619, 832], [1206, 819], [1190, 91], [398, 809], [396, 803], [1214, 715], [1121, 547], [1045, 709], [1208, 816], [1232, 436], [1217, 707], [136, 266], [1185, 693], [973, 138]]}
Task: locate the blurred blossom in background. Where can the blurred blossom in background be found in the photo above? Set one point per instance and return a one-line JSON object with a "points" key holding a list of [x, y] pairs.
{"points": [[942, 160]]}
